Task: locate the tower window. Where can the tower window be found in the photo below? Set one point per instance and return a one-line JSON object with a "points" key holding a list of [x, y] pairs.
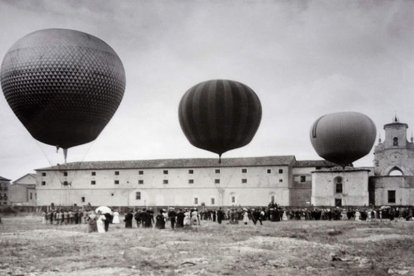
{"points": [[43, 174], [65, 173], [43, 183], [190, 181], [165, 181], [190, 171], [217, 181], [233, 199], [213, 201], [391, 196], [165, 171], [140, 181], [116, 172], [195, 200], [395, 141], [93, 182], [338, 185], [138, 195], [280, 170], [244, 180], [217, 171], [244, 170], [140, 172], [116, 182], [269, 171], [83, 199], [93, 173]]}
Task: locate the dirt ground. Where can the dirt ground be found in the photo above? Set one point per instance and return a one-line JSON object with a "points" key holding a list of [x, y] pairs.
{"points": [[28, 247]]}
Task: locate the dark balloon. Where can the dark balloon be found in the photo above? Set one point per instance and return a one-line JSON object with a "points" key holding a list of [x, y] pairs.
{"points": [[343, 137], [220, 115], [63, 85]]}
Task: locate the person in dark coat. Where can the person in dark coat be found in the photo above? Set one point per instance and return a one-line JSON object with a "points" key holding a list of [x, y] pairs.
{"points": [[180, 218], [220, 215], [128, 219], [107, 221], [138, 217], [148, 218], [160, 220], [172, 217]]}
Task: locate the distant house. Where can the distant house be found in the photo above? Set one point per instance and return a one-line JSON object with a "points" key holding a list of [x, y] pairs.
{"points": [[4, 190], [23, 191]]}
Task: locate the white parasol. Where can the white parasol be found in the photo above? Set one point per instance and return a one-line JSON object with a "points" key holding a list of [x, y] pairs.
{"points": [[104, 210]]}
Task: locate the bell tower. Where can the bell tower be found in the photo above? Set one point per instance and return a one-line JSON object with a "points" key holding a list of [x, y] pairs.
{"points": [[395, 155]]}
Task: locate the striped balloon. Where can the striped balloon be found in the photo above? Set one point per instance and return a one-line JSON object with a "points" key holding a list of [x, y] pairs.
{"points": [[220, 115]]}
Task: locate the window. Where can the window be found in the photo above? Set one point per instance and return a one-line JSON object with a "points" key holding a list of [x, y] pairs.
{"points": [[195, 200], [83, 199], [138, 195], [338, 202], [165, 181], [233, 199], [65, 183], [140, 172], [116, 182], [395, 141], [338, 188], [43, 183], [272, 198], [43, 174], [338, 184], [140, 181], [217, 181], [213, 201], [280, 180], [391, 196], [116, 172], [93, 182], [280, 170], [165, 171], [303, 178], [269, 171], [244, 180], [112, 194], [93, 173], [190, 171], [31, 196], [190, 181], [65, 173], [217, 171], [244, 170]]}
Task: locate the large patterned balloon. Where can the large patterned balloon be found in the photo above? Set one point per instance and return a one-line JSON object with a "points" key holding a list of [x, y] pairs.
{"points": [[63, 85], [343, 137], [220, 115]]}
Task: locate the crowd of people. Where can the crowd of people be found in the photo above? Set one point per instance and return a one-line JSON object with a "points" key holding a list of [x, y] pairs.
{"points": [[176, 218]]}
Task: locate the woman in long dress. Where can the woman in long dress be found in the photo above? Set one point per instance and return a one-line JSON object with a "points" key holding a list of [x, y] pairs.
{"points": [[187, 218], [100, 223], [245, 216], [115, 220]]}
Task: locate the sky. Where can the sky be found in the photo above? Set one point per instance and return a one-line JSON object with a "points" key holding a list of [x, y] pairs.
{"points": [[303, 59]]}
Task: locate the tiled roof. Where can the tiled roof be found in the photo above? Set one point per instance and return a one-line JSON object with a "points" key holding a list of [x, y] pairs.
{"points": [[176, 163], [313, 163], [4, 179]]}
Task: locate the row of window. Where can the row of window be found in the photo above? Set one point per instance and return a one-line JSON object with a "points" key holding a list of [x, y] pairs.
{"points": [[165, 181], [217, 171], [195, 200]]}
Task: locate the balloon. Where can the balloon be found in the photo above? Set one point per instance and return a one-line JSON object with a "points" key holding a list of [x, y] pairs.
{"points": [[343, 137], [63, 85], [220, 115]]}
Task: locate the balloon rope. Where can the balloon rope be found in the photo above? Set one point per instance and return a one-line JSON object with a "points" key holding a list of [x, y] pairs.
{"points": [[65, 154], [220, 158]]}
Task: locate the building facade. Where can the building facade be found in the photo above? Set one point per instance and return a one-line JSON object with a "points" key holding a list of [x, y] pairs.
{"points": [[252, 181], [4, 191], [23, 191]]}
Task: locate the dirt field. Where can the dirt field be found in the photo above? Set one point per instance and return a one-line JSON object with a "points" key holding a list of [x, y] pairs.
{"points": [[28, 247]]}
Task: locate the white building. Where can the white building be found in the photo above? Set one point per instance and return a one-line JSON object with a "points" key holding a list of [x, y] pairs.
{"points": [[179, 182]]}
